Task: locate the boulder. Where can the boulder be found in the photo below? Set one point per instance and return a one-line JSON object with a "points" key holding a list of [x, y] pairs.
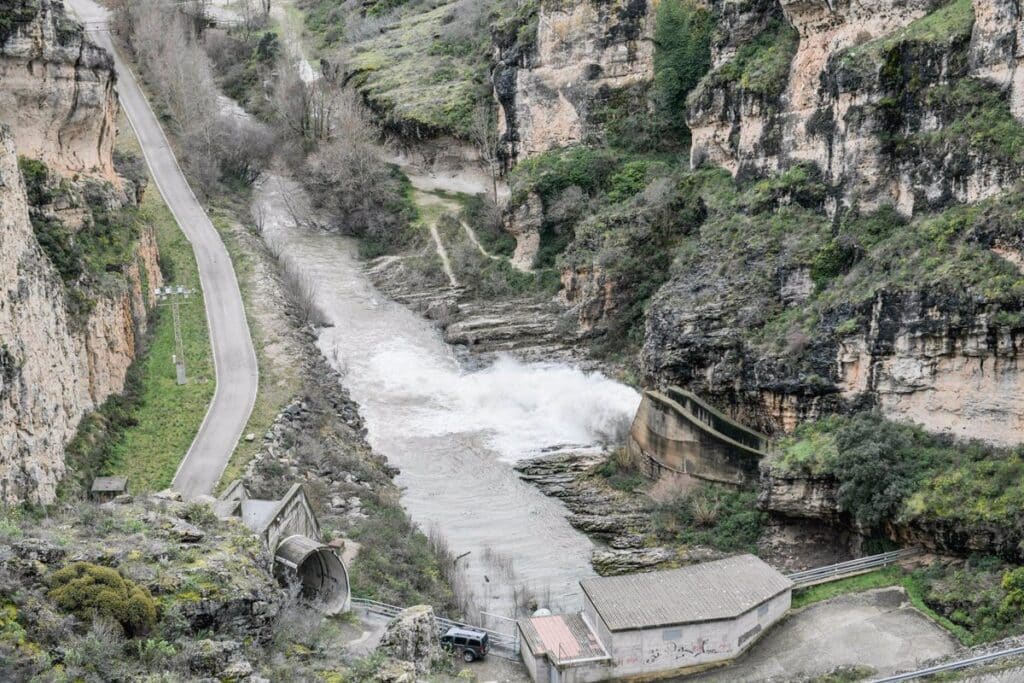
{"points": [[396, 671], [412, 637]]}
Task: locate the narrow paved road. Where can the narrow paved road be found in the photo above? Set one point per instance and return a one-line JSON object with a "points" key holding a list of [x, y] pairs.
{"points": [[233, 353]]}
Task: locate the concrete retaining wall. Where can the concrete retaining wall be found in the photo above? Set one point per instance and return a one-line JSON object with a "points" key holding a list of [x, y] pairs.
{"points": [[676, 435]]}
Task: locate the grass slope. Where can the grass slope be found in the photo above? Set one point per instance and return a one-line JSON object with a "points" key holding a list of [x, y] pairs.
{"points": [[167, 415]]}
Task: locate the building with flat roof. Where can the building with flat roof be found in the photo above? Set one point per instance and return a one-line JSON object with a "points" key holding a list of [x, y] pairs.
{"points": [[108, 488], [646, 626]]}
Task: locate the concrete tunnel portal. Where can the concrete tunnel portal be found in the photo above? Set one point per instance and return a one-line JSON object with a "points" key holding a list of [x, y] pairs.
{"points": [[315, 566], [290, 530]]}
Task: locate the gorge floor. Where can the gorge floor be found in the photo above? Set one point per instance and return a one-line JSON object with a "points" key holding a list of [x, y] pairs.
{"points": [[453, 431]]}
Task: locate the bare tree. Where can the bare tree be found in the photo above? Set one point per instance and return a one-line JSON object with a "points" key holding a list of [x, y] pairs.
{"points": [[484, 132], [306, 110]]}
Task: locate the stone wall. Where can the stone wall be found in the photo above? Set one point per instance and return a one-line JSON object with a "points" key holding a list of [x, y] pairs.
{"points": [[669, 441]]}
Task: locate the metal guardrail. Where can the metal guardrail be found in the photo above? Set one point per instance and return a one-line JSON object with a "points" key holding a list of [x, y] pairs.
{"points": [[502, 644], [842, 570], [952, 666]]}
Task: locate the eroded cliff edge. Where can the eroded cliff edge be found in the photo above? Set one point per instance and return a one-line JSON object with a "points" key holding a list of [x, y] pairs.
{"points": [[79, 269]]}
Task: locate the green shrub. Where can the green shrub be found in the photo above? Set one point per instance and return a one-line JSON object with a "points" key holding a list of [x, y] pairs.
{"points": [[551, 173], [682, 56], [879, 464], [713, 515], [200, 514], [761, 66], [37, 177], [628, 181], [833, 260], [60, 246], [89, 591], [800, 185]]}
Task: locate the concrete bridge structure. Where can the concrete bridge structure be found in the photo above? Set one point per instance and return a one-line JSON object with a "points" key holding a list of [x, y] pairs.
{"points": [[678, 436]]}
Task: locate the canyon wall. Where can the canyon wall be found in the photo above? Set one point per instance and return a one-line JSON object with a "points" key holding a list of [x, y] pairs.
{"points": [[55, 367], [65, 342], [857, 75], [881, 102], [57, 91], [583, 53]]}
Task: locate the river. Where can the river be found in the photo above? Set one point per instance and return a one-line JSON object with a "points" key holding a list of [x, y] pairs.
{"points": [[454, 428]]}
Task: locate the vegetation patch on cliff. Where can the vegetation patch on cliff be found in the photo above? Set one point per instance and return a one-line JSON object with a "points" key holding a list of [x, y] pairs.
{"points": [[897, 474], [425, 70], [760, 66], [92, 258], [948, 23], [712, 516]]}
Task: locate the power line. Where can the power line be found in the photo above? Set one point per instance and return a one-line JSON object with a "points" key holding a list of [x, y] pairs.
{"points": [[173, 297]]}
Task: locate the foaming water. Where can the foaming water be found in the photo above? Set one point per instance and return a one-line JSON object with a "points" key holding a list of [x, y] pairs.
{"points": [[520, 409], [453, 430]]}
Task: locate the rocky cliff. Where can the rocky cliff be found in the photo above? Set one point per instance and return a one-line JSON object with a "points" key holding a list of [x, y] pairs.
{"points": [[64, 347], [834, 84], [57, 93], [865, 127], [554, 74]]}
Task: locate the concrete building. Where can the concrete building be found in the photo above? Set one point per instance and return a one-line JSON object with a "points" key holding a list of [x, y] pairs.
{"points": [[108, 488], [649, 626]]}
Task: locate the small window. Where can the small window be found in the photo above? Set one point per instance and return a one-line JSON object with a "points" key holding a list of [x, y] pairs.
{"points": [[460, 640], [474, 642], [672, 634]]}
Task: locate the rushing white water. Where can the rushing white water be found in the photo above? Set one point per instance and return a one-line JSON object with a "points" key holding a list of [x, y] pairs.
{"points": [[453, 430]]}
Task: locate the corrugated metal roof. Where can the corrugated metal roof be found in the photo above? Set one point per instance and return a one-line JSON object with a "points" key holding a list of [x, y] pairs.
{"points": [[565, 637], [701, 592]]}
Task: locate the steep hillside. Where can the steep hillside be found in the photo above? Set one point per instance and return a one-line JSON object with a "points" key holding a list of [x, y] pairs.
{"points": [[79, 268]]}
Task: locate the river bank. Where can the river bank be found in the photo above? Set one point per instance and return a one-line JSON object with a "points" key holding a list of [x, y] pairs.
{"points": [[453, 425]]}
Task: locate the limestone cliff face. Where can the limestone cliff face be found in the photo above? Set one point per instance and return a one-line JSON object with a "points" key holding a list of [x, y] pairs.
{"points": [[57, 91], [583, 52], [949, 363], [997, 47], [857, 76], [54, 369], [959, 374]]}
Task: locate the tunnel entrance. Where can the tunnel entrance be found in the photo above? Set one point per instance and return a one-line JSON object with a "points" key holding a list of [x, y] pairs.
{"points": [[317, 569]]}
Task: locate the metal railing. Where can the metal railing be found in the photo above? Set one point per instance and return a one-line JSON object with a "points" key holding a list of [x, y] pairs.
{"points": [[952, 666], [842, 570], [502, 644]]}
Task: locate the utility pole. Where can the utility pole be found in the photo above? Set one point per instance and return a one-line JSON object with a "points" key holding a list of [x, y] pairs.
{"points": [[173, 297]]}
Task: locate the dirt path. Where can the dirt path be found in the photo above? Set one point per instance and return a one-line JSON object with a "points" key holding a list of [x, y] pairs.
{"points": [[471, 234], [443, 254]]}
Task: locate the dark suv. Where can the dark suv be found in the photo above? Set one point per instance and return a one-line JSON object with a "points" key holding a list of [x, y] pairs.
{"points": [[466, 642]]}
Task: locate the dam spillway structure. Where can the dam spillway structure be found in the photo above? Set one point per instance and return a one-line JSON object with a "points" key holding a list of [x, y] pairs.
{"points": [[291, 532], [678, 436]]}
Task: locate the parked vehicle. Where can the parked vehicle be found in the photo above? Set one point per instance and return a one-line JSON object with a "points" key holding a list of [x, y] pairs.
{"points": [[467, 643]]}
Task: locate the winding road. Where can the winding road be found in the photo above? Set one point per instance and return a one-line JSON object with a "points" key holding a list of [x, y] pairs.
{"points": [[233, 353]]}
